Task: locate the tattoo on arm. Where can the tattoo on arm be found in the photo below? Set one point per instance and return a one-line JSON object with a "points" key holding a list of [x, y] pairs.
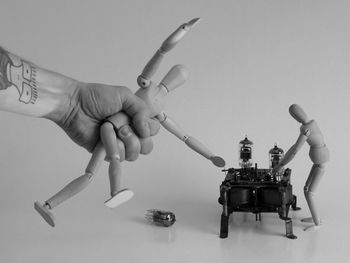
{"points": [[19, 74]]}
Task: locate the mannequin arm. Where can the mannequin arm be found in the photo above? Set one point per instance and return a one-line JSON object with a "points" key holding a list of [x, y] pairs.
{"points": [[172, 127], [290, 154]]}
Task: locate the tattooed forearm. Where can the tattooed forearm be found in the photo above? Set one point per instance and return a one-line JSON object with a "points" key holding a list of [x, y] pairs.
{"points": [[28, 89], [19, 74]]}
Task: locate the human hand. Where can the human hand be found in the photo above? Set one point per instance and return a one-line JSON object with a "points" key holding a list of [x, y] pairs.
{"points": [[91, 104]]}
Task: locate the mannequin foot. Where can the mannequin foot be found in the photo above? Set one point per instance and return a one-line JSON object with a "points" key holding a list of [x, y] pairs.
{"points": [[45, 213], [313, 227], [120, 198]]}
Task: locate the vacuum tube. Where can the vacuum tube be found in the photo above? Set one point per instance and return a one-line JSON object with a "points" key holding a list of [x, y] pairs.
{"points": [[245, 153], [275, 156]]}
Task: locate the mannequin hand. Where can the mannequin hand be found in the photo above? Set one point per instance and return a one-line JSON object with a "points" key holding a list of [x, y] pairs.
{"points": [[276, 169], [92, 103]]}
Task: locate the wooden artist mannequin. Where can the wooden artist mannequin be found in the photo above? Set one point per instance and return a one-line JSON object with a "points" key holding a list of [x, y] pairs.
{"points": [[319, 155], [112, 149]]}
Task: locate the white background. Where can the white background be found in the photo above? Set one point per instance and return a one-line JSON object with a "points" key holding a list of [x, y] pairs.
{"points": [[248, 60]]}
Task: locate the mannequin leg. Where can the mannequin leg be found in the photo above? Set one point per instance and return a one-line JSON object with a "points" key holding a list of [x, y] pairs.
{"points": [[118, 195], [114, 173], [110, 141], [311, 185], [72, 188]]}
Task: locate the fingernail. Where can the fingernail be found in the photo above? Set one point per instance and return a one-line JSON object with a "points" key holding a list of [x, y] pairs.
{"points": [[125, 131]]}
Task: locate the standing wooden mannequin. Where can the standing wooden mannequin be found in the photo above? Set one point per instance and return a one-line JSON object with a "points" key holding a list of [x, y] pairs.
{"points": [[319, 155]]}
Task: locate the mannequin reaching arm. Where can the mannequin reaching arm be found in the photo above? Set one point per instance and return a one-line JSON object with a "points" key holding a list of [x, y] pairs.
{"points": [[290, 154]]}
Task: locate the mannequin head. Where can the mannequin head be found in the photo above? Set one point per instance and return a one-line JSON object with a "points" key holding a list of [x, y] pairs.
{"points": [[298, 113]]}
